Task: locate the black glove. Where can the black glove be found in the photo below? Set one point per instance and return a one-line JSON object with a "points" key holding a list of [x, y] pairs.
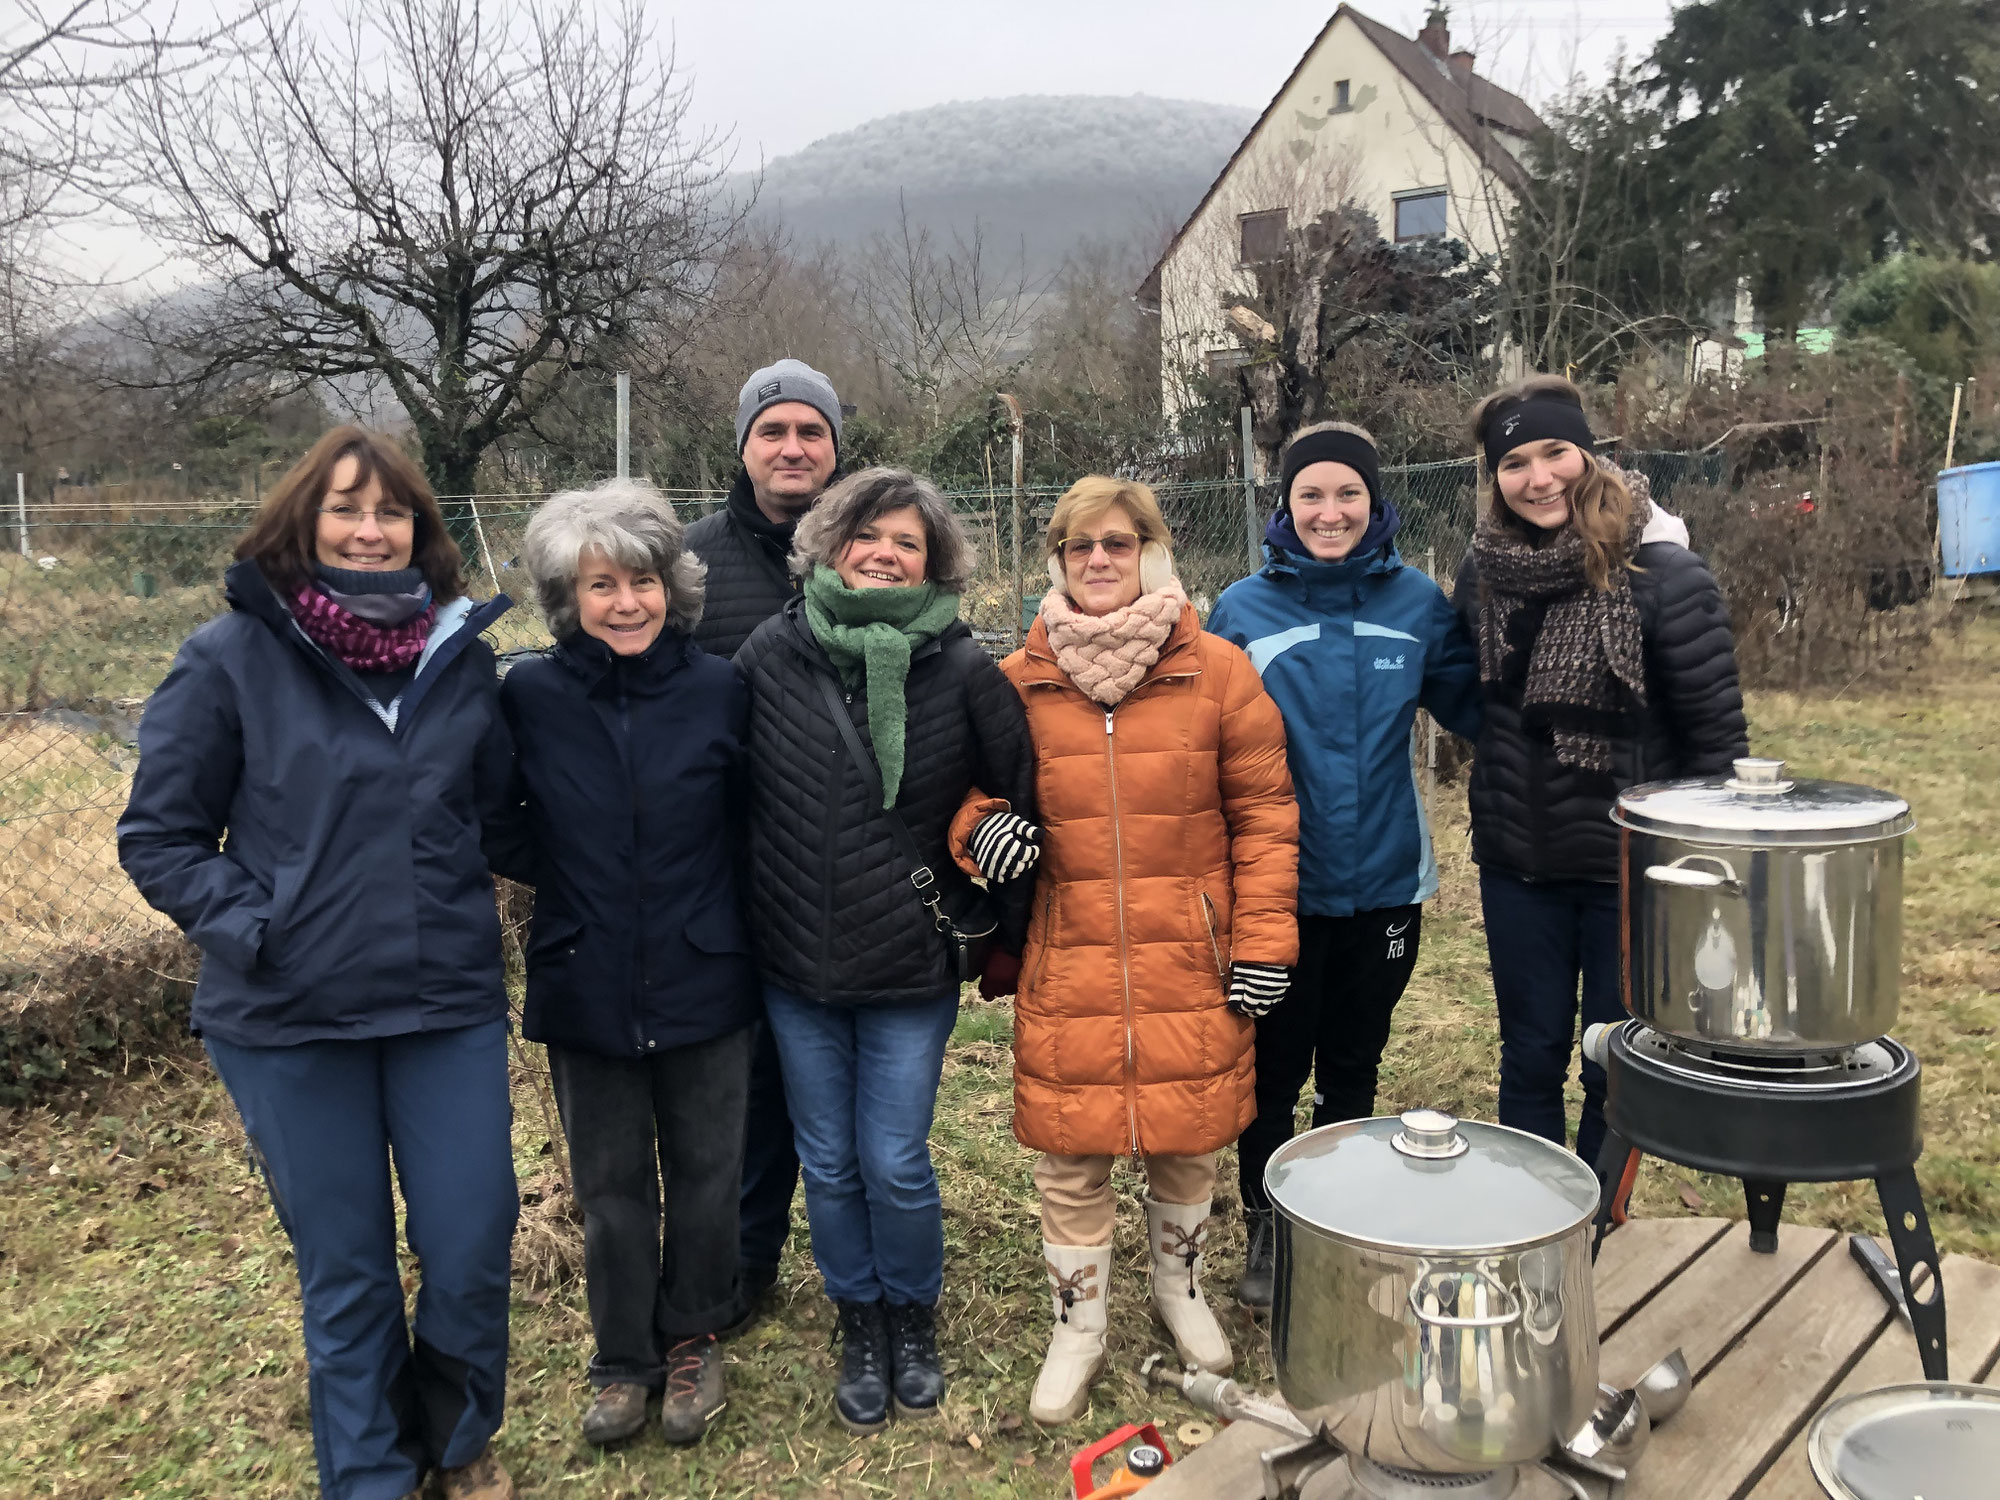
{"points": [[1256, 989], [1005, 846]]}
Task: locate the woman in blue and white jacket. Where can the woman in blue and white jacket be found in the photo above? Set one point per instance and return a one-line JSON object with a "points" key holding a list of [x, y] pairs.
{"points": [[1350, 643]]}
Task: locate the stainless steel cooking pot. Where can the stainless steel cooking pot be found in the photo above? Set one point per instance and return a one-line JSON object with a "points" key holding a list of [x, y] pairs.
{"points": [[1763, 913], [1433, 1300]]}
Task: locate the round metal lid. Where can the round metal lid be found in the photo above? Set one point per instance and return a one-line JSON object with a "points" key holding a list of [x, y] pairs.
{"points": [[1759, 805], [1929, 1440], [1431, 1184]]}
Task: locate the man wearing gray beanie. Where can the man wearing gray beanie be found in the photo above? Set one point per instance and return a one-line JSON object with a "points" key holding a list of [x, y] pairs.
{"points": [[788, 436]]}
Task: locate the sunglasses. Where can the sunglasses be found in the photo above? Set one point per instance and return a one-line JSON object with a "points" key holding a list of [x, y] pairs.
{"points": [[1117, 545]]}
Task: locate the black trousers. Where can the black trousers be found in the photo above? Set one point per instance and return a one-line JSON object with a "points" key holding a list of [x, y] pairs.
{"points": [[634, 1124], [1332, 1027], [770, 1160]]}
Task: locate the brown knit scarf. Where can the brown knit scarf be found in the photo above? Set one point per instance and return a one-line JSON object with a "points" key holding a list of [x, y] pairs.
{"points": [[1109, 655], [1581, 642]]}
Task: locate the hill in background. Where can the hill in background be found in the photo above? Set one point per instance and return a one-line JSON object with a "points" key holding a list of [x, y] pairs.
{"points": [[1044, 171]]}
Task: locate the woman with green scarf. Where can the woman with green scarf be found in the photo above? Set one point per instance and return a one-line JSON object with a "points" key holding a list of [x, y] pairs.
{"points": [[871, 703]]}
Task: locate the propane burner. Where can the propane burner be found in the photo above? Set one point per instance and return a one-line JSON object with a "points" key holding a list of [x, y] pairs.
{"points": [[1844, 1115], [1871, 1063], [1384, 1482]]}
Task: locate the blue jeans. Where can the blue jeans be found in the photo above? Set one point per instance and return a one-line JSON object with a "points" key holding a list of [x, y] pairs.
{"points": [[326, 1120], [1542, 938], [861, 1082]]}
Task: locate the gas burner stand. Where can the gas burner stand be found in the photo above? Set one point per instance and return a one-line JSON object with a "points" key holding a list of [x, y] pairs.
{"points": [[1770, 1120]]}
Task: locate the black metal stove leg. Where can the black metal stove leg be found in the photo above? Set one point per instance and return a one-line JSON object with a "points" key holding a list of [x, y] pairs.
{"points": [[1765, 1201], [1617, 1166], [1910, 1235]]}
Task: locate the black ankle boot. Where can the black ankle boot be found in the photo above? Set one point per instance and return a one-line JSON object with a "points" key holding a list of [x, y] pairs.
{"points": [[919, 1383], [1260, 1261], [862, 1398]]}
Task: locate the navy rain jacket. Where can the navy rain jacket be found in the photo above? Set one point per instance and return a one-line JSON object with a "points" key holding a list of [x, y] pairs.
{"points": [[627, 813], [1350, 650], [323, 850]]}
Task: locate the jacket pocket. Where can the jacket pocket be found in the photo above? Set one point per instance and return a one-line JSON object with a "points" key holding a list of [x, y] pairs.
{"points": [[552, 939], [1046, 937], [285, 888], [718, 929], [1209, 919]]}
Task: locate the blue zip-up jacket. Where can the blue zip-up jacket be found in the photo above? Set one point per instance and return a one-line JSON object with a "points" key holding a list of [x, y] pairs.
{"points": [[322, 849], [1350, 650]]}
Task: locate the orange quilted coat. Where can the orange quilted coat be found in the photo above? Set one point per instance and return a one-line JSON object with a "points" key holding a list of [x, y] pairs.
{"points": [[1171, 850]]}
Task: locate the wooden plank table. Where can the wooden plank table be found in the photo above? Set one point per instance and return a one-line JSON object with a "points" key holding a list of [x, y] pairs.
{"points": [[1770, 1338]]}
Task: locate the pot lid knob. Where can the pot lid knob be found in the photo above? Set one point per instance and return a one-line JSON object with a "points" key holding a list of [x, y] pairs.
{"points": [[1430, 1134], [1757, 777]]}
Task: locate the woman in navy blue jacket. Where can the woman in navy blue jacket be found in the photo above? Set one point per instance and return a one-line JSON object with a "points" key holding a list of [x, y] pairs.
{"points": [[314, 776], [1350, 642], [640, 980]]}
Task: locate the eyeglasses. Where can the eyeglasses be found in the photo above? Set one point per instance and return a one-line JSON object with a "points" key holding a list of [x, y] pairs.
{"points": [[1117, 545], [388, 517]]}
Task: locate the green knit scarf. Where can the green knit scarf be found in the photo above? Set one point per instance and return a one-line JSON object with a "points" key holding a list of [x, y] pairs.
{"points": [[870, 634]]}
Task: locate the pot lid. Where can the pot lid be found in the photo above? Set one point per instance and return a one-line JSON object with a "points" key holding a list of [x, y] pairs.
{"points": [[1758, 804], [1432, 1184], [1930, 1439]]}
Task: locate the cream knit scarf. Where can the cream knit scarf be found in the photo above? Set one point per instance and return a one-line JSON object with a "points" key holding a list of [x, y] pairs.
{"points": [[1109, 655]]}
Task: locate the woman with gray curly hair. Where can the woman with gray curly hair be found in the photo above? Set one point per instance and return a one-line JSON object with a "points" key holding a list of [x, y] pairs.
{"points": [[873, 711], [625, 815]]}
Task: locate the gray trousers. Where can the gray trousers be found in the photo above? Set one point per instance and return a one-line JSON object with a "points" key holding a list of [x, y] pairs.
{"points": [[635, 1125]]}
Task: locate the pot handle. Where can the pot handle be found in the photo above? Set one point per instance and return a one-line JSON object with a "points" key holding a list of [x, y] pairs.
{"points": [[1679, 873], [1439, 1320]]}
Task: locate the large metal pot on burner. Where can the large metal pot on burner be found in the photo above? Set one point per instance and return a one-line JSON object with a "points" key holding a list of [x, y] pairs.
{"points": [[1433, 1307], [1760, 913]]}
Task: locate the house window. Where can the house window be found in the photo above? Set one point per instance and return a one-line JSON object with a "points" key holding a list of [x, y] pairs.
{"points": [[1263, 236], [1420, 215], [1221, 362], [1340, 97]]}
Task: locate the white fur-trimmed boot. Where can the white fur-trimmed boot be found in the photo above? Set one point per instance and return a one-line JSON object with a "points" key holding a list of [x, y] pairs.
{"points": [[1175, 1235], [1079, 1276]]}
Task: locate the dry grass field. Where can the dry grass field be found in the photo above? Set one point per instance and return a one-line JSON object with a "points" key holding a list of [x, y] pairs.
{"points": [[149, 1324]]}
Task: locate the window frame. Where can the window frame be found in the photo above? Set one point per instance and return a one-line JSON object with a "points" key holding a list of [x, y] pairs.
{"points": [[1283, 216], [1421, 195]]}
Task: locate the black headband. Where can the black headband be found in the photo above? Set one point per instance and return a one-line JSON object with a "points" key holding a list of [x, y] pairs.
{"points": [[1535, 419], [1332, 447]]}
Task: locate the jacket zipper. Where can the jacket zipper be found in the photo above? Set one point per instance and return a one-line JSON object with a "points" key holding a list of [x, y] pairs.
{"points": [[831, 830], [1124, 954], [1214, 943], [638, 895]]}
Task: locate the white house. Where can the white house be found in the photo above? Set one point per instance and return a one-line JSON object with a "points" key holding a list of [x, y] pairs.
{"points": [[1403, 126]]}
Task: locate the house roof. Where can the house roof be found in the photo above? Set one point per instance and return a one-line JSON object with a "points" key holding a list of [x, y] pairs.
{"points": [[1474, 108]]}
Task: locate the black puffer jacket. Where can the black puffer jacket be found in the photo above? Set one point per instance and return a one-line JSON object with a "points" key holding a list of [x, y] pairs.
{"points": [[1539, 819], [747, 583], [832, 914]]}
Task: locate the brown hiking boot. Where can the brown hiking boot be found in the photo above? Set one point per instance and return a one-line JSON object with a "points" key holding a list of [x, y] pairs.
{"points": [[618, 1411], [482, 1479], [694, 1395]]}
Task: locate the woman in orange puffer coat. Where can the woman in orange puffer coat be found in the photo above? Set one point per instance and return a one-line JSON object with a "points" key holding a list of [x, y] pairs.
{"points": [[1163, 916]]}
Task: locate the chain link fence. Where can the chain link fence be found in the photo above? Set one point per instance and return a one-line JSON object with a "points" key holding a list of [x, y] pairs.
{"points": [[92, 612]]}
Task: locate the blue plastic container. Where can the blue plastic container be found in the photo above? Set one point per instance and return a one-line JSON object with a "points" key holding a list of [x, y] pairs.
{"points": [[1969, 519]]}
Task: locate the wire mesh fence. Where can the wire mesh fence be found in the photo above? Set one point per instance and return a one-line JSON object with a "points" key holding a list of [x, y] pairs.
{"points": [[94, 610]]}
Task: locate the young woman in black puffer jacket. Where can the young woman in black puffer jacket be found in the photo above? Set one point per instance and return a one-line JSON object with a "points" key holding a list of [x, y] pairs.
{"points": [[1607, 660]]}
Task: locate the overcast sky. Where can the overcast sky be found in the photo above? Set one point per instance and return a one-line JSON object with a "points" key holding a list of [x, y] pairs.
{"points": [[776, 75], [783, 73]]}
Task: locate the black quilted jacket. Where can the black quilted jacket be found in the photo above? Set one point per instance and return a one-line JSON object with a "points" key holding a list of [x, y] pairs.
{"points": [[832, 914], [747, 582], [1539, 819]]}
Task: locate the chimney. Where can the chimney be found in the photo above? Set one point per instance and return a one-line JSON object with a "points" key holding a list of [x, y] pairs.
{"points": [[1461, 64], [1436, 35]]}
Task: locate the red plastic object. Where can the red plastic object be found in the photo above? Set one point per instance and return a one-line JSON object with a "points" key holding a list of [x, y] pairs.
{"points": [[1080, 1466]]}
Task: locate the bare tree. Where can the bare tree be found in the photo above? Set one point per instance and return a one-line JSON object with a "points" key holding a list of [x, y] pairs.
{"points": [[941, 319], [460, 201]]}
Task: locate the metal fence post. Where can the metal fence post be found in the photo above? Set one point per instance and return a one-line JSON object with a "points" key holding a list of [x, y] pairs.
{"points": [[1250, 495], [1018, 594], [21, 508], [624, 424]]}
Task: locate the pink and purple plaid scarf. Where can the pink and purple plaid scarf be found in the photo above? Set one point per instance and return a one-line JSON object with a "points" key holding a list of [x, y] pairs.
{"points": [[364, 647]]}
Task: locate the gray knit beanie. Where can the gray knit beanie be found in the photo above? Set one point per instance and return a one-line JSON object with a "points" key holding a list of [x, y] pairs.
{"points": [[787, 380]]}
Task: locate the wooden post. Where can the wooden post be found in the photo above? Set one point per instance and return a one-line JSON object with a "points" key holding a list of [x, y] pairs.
{"points": [[1016, 593], [1951, 437], [1250, 495]]}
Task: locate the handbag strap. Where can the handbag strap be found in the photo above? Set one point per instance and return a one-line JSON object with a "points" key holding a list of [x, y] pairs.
{"points": [[922, 877]]}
